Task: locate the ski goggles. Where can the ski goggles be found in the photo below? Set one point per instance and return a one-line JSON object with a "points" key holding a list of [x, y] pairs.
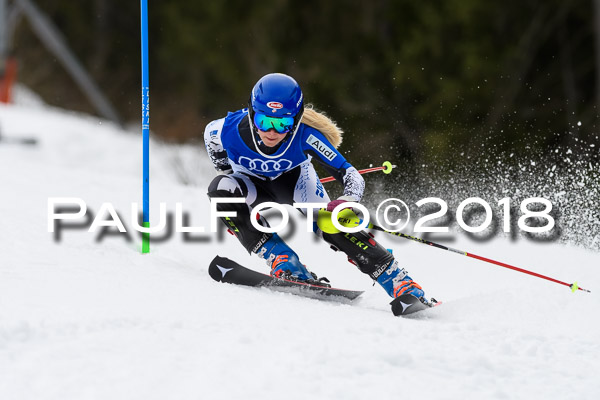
{"points": [[280, 124]]}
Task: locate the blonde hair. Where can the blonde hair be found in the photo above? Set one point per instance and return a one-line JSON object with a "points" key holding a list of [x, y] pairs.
{"points": [[323, 124]]}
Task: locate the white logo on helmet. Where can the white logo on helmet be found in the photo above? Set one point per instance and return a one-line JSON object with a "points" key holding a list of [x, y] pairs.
{"points": [[265, 165], [274, 105]]}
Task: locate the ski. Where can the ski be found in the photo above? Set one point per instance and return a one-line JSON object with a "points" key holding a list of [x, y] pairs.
{"points": [[409, 304], [222, 269]]}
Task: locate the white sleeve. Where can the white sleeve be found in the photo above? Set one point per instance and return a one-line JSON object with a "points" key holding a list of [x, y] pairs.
{"points": [[354, 185], [214, 146]]}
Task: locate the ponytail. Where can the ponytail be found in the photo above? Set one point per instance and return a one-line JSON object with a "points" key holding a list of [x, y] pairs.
{"points": [[323, 124]]}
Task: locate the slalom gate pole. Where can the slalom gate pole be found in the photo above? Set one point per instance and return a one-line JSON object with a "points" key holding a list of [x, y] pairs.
{"points": [[145, 127], [386, 167], [348, 218]]}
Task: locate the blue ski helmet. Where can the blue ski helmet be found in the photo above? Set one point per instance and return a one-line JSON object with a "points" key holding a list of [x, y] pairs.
{"points": [[276, 103]]}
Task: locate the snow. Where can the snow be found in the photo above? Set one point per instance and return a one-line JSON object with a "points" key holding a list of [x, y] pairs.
{"points": [[83, 318]]}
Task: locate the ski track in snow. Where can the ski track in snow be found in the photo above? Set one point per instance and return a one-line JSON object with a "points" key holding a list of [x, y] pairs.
{"points": [[86, 320]]}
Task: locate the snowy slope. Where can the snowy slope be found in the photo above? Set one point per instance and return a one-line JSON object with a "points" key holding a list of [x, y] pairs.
{"points": [[81, 319]]}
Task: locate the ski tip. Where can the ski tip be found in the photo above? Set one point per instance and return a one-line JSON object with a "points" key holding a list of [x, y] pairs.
{"points": [[409, 304], [216, 271]]}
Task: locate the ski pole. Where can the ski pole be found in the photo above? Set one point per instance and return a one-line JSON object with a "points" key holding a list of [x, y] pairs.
{"points": [[348, 218], [386, 167]]}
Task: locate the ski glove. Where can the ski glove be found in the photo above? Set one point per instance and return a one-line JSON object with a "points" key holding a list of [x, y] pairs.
{"points": [[334, 203]]}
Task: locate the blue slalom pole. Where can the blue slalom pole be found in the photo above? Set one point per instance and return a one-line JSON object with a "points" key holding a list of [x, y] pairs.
{"points": [[145, 126]]}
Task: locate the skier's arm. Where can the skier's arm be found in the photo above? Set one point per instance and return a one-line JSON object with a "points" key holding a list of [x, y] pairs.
{"points": [[354, 184], [214, 146], [334, 163], [347, 175]]}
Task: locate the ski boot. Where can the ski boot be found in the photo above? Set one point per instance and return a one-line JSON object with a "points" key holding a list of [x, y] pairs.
{"points": [[396, 282], [408, 295], [285, 264], [374, 260]]}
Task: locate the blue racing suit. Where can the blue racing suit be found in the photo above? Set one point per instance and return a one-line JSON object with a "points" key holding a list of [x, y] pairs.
{"points": [[233, 148]]}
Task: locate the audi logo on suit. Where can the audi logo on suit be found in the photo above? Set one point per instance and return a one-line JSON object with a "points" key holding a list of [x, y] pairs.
{"points": [[257, 164]]}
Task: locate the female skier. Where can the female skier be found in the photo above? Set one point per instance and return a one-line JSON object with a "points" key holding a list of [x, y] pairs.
{"points": [[265, 153]]}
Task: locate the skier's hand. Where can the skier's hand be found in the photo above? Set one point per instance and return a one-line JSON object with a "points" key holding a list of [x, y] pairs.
{"points": [[334, 203]]}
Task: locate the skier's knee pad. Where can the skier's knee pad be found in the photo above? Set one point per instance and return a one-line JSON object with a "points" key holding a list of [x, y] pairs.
{"points": [[250, 237], [227, 186], [360, 247]]}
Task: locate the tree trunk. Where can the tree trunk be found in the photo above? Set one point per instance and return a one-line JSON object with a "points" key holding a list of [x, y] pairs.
{"points": [[568, 78], [101, 39], [597, 51]]}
